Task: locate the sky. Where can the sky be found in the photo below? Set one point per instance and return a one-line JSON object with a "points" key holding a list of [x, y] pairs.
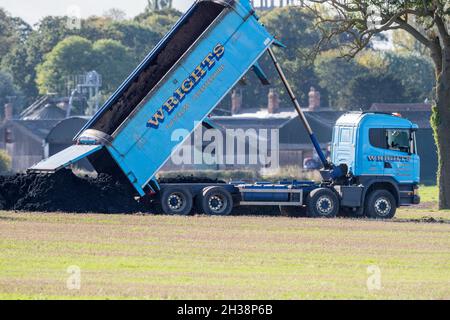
{"points": [[33, 10]]}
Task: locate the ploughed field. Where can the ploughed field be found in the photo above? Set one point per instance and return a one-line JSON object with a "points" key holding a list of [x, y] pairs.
{"points": [[162, 257]]}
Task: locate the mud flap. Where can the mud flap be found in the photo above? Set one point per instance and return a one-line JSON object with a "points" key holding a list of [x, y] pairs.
{"points": [[65, 158]]}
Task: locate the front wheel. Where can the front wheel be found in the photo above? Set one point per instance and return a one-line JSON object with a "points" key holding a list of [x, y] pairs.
{"points": [[323, 203], [381, 205]]}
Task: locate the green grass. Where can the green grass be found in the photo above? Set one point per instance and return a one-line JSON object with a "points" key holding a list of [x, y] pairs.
{"points": [[429, 193], [159, 257]]}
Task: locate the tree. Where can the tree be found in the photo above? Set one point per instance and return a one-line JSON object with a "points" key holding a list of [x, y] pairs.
{"points": [[140, 39], [372, 77], [76, 55], [113, 61], [415, 73], [115, 14], [5, 162], [12, 31], [428, 22], [335, 74], [22, 60], [365, 89], [7, 88], [160, 21], [72, 56], [295, 29], [405, 43], [16, 63]]}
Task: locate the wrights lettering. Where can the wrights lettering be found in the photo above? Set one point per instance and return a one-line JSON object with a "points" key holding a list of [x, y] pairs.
{"points": [[187, 86]]}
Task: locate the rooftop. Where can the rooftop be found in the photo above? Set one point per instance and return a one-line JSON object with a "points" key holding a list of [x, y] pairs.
{"points": [[38, 128], [400, 107], [48, 112]]}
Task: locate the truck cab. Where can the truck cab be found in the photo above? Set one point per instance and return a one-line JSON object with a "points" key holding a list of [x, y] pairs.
{"points": [[380, 152]]}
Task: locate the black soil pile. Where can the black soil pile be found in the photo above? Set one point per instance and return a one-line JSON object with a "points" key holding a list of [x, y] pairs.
{"points": [[65, 192]]}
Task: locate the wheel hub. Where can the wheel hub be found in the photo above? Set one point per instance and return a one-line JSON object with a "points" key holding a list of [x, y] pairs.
{"points": [[216, 203], [175, 202], [325, 205], [383, 206]]}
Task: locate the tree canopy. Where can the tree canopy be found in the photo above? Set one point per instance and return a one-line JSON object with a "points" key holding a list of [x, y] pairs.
{"points": [[13, 30], [23, 58], [76, 55], [71, 56], [331, 73], [7, 89], [43, 58]]}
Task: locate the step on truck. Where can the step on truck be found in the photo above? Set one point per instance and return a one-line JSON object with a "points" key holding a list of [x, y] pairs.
{"points": [[374, 165]]}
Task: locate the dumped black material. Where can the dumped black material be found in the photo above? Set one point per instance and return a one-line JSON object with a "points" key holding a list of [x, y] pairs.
{"points": [[65, 192], [154, 70]]}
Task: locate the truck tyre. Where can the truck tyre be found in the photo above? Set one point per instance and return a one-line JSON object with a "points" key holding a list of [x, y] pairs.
{"points": [[380, 204], [323, 203], [176, 201], [292, 211], [216, 201]]}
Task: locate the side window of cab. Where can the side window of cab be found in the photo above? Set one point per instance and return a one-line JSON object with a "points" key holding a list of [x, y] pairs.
{"points": [[399, 140], [392, 139]]}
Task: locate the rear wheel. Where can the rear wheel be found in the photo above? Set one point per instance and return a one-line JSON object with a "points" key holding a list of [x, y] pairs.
{"points": [[216, 201], [323, 203], [176, 201], [381, 205]]}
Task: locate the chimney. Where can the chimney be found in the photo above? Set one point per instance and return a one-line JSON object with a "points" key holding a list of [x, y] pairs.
{"points": [[273, 101], [8, 111], [236, 102], [314, 99]]}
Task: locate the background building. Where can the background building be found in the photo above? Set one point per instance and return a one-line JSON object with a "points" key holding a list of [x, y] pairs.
{"points": [[42, 132]]}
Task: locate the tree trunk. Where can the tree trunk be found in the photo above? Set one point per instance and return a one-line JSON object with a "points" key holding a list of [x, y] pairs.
{"points": [[441, 125]]}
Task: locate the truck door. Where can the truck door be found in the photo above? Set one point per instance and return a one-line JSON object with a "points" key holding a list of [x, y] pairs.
{"points": [[376, 152], [400, 158]]}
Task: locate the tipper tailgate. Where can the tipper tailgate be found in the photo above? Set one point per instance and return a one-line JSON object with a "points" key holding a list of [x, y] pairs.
{"points": [[65, 158]]}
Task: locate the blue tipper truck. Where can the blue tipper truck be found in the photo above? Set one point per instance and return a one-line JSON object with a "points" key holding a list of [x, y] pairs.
{"points": [[374, 167]]}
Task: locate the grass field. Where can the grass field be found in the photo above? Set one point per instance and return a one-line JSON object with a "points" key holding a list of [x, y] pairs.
{"points": [[429, 194], [160, 257]]}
